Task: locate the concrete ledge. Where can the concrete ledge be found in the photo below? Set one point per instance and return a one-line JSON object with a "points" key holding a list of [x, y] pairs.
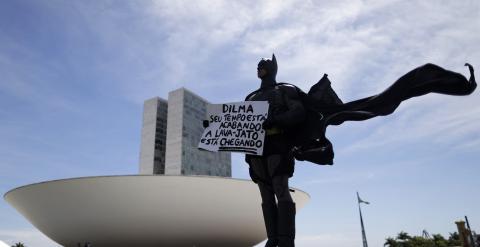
{"points": [[146, 210]]}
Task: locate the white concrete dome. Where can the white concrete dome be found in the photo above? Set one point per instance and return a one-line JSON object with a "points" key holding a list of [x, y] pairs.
{"points": [[146, 210]]}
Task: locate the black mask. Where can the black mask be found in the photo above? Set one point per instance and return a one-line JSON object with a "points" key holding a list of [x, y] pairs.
{"points": [[271, 67]]}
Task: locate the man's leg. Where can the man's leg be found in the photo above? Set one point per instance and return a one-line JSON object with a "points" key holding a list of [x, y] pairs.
{"points": [[270, 214], [286, 212], [286, 206], [280, 188], [269, 206]]}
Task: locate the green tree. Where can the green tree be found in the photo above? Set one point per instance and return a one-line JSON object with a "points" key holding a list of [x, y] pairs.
{"points": [[454, 239], [19, 244], [403, 239], [403, 236], [417, 241], [439, 240], [390, 242]]}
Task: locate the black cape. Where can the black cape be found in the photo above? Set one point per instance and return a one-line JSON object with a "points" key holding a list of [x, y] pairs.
{"points": [[325, 108]]}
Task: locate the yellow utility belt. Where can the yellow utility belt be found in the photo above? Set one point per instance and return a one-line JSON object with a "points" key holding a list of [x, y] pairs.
{"points": [[274, 131]]}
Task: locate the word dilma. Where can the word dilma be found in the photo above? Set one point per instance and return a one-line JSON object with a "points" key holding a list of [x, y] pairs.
{"points": [[237, 108]]}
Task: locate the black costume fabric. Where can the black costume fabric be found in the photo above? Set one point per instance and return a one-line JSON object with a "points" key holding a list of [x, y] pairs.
{"points": [[325, 108], [272, 170], [285, 111]]}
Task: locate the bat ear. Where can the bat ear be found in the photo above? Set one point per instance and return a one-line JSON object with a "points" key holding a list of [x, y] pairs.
{"points": [[275, 66]]}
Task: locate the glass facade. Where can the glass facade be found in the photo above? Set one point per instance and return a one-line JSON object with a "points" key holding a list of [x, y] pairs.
{"points": [[178, 128], [160, 139], [154, 132], [195, 161]]}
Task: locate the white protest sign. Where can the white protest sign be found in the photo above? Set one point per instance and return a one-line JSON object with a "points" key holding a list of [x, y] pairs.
{"points": [[235, 127]]}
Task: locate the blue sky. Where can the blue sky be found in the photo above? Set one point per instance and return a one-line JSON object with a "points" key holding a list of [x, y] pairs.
{"points": [[74, 75]]}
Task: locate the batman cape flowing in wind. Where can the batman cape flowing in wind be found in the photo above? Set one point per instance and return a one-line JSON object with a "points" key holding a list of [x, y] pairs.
{"points": [[325, 108]]}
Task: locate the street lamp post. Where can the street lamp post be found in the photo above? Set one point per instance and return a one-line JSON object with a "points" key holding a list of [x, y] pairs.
{"points": [[364, 236]]}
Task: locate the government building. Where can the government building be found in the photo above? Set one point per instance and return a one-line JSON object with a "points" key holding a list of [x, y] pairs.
{"points": [[171, 131]]}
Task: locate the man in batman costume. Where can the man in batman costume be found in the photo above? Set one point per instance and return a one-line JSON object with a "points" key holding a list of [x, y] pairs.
{"points": [[272, 170], [297, 122]]}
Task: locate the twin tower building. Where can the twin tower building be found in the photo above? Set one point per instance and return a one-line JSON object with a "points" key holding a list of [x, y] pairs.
{"points": [[171, 131]]}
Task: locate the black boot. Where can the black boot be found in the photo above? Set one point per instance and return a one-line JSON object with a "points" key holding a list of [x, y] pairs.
{"points": [[286, 224], [270, 218]]}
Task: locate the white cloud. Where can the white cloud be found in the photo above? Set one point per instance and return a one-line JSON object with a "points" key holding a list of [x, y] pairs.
{"points": [[445, 122], [157, 46]]}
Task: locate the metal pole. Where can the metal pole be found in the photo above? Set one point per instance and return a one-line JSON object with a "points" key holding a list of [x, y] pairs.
{"points": [[364, 236], [472, 241]]}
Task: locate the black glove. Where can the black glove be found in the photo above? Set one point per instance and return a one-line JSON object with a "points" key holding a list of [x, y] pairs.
{"points": [[268, 123], [206, 123]]}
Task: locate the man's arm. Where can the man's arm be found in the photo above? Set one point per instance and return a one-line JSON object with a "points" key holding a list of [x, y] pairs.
{"points": [[294, 114]]}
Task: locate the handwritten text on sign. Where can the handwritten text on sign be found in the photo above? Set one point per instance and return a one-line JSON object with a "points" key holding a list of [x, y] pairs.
{"points": [[235, 127]]}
